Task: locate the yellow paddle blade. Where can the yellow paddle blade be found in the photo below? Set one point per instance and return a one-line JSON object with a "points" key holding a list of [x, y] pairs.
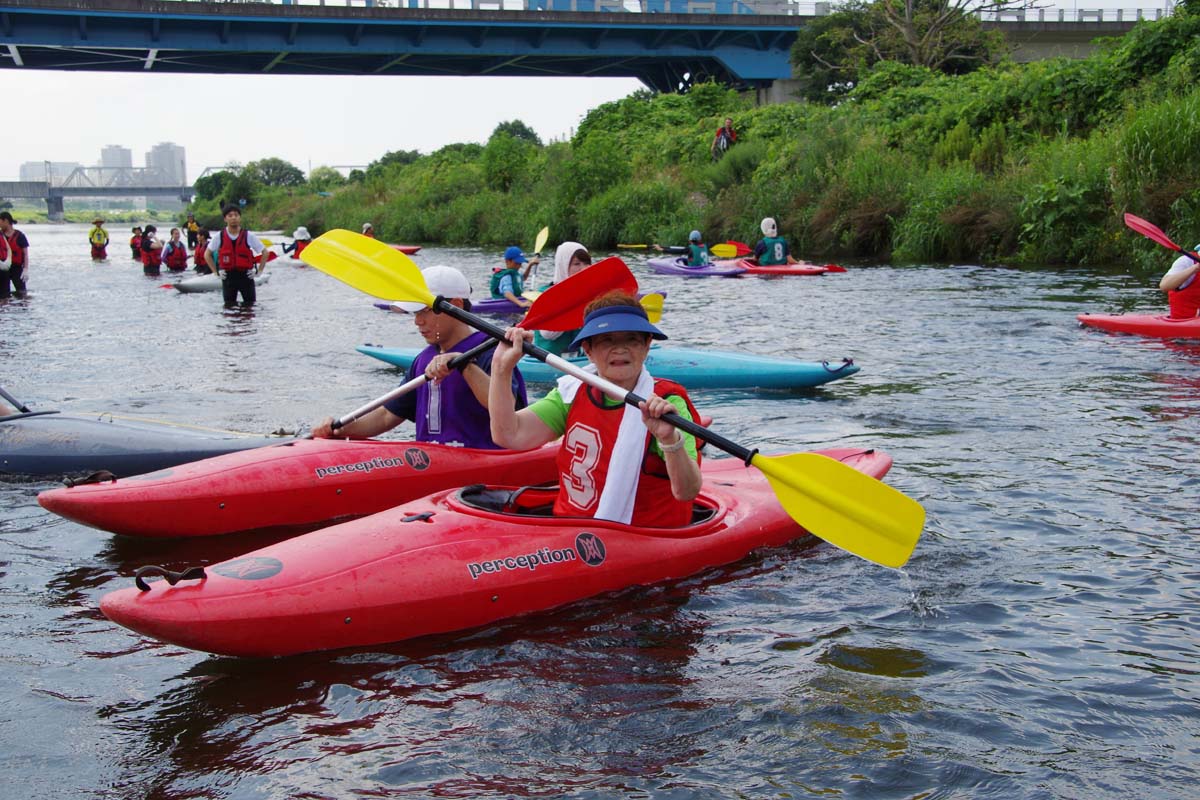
{"points": [[845, 507], [540, 241], [532, 294], [723, 250], [368, 265], [653, 304], [266, 242], [633, 246]]}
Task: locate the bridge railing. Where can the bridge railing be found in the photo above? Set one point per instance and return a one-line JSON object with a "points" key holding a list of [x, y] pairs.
{"points": [[816, 8]]}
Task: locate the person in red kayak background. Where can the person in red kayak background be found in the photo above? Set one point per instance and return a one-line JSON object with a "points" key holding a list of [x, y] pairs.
{"points": [[200, 265], [301, 239], [452, 406], [151, 248], [368, 230], [1182, 287], [233, 254], [174, 254], [135, 243], [616, 462], [726, 138], [98, 239], [15, 251], [772, 249]]}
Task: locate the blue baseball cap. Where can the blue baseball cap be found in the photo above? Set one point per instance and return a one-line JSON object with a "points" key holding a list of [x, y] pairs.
{"points": [[616, 319], [514, 254]]}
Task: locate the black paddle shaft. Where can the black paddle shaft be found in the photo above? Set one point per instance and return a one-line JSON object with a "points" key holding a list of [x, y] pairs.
{"points": [[16, 403], [442, 305]]}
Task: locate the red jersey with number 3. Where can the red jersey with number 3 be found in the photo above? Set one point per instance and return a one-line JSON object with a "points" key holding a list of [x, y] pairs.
{"points": [[583, 462]]}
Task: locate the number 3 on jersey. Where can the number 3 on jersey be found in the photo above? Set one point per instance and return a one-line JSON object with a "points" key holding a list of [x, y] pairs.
{"points": [[584, 444]]}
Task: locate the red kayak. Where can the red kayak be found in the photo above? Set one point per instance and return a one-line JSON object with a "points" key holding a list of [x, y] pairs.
{"points": [[299, 485], [1145, 325], [752, 267], [450, 561], [407, 249]]}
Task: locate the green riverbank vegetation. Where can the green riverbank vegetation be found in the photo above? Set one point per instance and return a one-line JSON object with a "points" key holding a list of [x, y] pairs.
{"points": [[1001, 163]]}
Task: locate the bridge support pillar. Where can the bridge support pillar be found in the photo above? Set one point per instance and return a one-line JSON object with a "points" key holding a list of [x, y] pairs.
{"points": [[54, 208], [781, 90]]}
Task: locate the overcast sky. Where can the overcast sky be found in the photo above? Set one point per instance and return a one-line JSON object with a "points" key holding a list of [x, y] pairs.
{"points": [[309, 121]]}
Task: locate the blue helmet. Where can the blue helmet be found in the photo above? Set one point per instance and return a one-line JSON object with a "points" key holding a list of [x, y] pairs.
{"points": [[694, 236]]}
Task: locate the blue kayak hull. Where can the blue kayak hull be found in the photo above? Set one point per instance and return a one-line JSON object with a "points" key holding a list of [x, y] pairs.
{"points": [[52, 445], [695, 369]]}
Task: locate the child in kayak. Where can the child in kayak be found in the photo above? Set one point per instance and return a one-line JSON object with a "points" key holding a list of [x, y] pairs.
{"points": [[569, 258], [697, 250], [1182, 288], [772, 249], [616, 462], [508, 282], [452, 406]]}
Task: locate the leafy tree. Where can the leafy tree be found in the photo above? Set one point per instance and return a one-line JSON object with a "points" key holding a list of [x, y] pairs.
{"points": [[356, 176], [947, 36], [212, 186], [274, 172], [378, 166], [325, 178], [518, 130], [505, 160]]}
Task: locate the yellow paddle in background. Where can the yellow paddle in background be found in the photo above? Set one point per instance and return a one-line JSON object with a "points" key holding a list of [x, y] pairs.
{"points": [[836, 502], [653, 306], [723, 250], [538, 244]]}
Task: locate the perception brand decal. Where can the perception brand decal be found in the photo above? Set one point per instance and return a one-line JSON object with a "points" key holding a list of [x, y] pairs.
{"points": [[414, 457], [589, 549], [251, 568]]}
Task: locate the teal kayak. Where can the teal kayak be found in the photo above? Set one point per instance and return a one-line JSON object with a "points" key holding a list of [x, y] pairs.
{"points": [[695, 369]]}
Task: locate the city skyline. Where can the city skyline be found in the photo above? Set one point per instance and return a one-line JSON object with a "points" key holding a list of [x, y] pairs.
{"points": [[165, 158]]}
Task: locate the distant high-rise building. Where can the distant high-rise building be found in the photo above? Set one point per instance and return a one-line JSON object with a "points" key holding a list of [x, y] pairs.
{"points": [[59, 170], [170, 159], [114, 155]]}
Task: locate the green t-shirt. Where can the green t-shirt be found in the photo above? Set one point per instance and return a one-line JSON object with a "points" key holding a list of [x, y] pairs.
{"points": [[698, 255], [552, 410]]}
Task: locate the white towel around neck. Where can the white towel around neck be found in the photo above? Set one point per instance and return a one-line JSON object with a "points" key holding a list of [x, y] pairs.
{"points": [[625, 466]]}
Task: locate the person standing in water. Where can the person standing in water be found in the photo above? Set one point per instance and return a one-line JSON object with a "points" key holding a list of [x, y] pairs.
{"points": [[98, 239], [233, 254], [15, 251]]}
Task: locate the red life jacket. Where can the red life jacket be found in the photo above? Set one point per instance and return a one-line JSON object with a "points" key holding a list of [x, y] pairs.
{"points": [[3, 248], [12, 248], [177, 258], [583, 461], [150, 256], [234, 253], [1185, 303], [198, 255], [300, 245], [135, 243]]}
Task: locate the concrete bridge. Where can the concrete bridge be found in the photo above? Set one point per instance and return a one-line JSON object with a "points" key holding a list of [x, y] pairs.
{"points": [[667, 44]]}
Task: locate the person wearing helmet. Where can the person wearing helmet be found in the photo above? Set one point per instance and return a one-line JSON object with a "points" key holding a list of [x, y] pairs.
{"points": [[697, 250], [772, 249], [368, 230]]}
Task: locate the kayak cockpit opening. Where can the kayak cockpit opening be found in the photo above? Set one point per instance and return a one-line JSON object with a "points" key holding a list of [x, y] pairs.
{"points": [[538, 501]]}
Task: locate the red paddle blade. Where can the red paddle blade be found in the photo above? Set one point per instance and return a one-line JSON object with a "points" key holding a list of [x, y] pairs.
{"points": [[1150, 231], [834, 268], [743, 249], [560, 308]]}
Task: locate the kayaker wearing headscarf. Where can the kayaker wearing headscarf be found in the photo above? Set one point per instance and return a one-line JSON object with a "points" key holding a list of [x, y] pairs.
{"points": [[616, 462], [569, 258], [772, 249]]}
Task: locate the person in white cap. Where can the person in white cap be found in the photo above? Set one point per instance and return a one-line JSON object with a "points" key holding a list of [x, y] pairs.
{"points": [[368, 230], [772, 249], [451, 407], [301, 238]]}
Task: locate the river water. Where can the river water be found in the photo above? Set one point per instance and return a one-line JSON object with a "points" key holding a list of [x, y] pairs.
{"points": [[1041, 643]]}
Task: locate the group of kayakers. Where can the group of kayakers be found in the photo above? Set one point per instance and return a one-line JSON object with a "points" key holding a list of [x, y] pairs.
{"points": [[615, 462], [770, 251]]}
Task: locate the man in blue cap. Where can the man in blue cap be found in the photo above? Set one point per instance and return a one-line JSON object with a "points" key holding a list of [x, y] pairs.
{"points": [[509, 282], [616, 462]]}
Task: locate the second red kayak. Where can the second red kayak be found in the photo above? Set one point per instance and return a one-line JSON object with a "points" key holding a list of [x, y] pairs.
{"points": [[299, 485], [447, 562], [1144, 325]]}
